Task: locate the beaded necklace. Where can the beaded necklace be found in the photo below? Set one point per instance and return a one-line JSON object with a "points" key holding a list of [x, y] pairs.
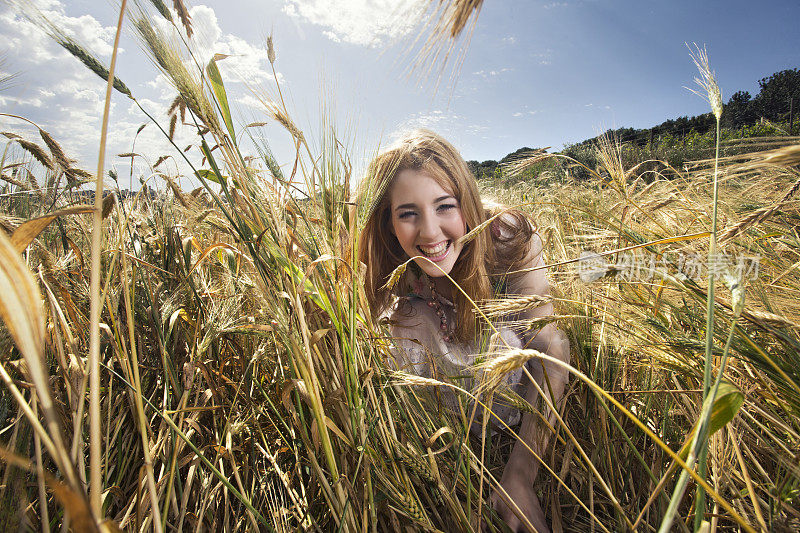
{"points": [[419, 286], [436, 305]]}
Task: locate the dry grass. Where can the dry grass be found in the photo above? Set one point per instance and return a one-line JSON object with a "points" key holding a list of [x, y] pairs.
{"points": [[245, 386]]}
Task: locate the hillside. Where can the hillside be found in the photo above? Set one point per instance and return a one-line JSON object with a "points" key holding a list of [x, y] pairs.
{"points": [[772, 112]]}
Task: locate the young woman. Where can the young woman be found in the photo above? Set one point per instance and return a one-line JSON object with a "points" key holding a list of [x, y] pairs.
{"points": [[424, 199]]}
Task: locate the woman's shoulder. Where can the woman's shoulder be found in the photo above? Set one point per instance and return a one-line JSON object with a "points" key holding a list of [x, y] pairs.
{"points": [[516, 241], [410, 313], [507, 222]]}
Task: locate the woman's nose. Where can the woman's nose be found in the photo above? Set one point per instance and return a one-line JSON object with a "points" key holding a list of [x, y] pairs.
{"points": [[429, 227]]}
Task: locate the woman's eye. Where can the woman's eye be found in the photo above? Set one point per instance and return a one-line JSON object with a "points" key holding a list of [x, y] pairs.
{"points": [[406, 214], [447, 207]]}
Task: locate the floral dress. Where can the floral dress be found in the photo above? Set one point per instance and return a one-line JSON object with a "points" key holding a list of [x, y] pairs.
{"points": [[421, 348]]}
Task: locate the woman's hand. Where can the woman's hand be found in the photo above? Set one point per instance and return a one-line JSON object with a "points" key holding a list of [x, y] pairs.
{"points": [[519, 487]]}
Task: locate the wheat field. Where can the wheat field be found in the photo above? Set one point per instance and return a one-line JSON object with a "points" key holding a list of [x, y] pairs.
{"points": [[210, 364]]}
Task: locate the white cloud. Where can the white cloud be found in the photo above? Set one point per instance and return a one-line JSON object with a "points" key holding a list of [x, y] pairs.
{"points": [[445, 123], [492, 73], [248, 100], [435, 119], [332, 36], [360, 22], [32, 100], [85, 29], [450, 125], [517, 114], [474, 129], [553, 5], [246, 62], [544, 58], [53, 88], [61, 95], [509, 40]]}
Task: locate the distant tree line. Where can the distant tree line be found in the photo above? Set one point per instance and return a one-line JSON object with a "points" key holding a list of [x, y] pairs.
{"points": [[776, 104], [491, 168]]}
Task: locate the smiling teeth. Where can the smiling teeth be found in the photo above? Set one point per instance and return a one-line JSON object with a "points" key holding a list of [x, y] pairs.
{"points": [[436, 250]]}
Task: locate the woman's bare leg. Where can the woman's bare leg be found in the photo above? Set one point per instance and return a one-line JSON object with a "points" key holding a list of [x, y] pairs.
{"points": [[522, 467]]}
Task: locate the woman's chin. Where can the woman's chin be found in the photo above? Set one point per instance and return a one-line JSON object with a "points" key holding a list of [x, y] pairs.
{"points": [[435, 270]]}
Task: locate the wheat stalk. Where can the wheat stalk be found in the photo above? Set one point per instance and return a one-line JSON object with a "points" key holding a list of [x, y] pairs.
{"points": [[395, 276], [405, 379], [168, 60], [55, 149], [90, 61], [162, 8], [507, 361], [176, 190], [183, 14], [707, 81], [507, 306], [32, 148], [760, 214]]}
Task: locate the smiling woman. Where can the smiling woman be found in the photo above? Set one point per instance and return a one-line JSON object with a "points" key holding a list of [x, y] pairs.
{"points": [[427, 221], [424, 200]]}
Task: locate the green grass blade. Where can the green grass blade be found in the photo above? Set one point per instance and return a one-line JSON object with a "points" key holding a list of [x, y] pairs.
{"points": [[215, 78]]}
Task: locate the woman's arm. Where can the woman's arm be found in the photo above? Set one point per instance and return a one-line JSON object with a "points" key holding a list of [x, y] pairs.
{"points": [[522, 467], [547, 339]]}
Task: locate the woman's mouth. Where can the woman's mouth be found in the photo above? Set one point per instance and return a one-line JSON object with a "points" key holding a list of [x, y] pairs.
{"points": [[436, 252]]}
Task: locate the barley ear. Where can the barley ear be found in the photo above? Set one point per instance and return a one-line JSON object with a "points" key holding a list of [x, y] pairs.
{"points": [[270, 50], [475, 231], [409, 506], [56, 150], [108, 204], [407, 379], [395, 276], [90, 62], [707, 80], [506, 362], [163, 9], [37, 152], [183, 14], [514, 400], [176, 190], [172, 123], [13, 181], [411, 458], [174, 105]]}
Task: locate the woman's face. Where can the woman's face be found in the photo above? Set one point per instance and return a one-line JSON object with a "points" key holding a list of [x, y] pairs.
{"points": [[427, 221]]}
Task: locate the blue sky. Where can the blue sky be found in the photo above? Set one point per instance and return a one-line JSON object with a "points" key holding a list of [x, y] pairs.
{"points": [[536, 73]]}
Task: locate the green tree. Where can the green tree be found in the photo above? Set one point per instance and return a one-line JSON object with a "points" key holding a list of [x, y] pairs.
{"points": [[739, 111], [777, 91]]}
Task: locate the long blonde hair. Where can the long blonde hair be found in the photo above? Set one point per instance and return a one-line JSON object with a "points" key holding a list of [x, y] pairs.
{"points": [[381, 253]]}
